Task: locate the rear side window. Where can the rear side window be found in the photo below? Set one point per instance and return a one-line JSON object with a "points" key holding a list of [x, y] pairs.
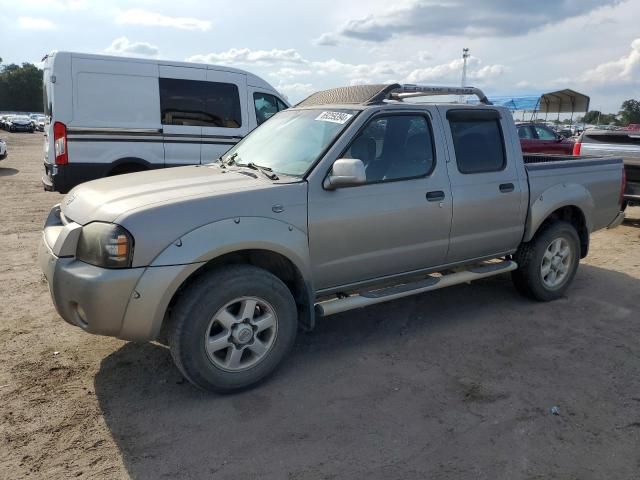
{"points": [[544, 134], [524, 132], [478, 144], [199, 103]]}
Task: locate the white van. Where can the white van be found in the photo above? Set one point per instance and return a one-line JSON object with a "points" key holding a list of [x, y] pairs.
{"points": [[112, 115]]}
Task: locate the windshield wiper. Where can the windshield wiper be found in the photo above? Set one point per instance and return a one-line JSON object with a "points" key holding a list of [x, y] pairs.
{"points": [[268, 172], [230, 161]]}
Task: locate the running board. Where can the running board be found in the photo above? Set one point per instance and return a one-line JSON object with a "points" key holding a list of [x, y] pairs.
{"points": [[431, 282]]}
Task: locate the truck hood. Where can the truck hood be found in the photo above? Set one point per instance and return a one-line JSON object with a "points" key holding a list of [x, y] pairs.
{"points": [[109, 198]]}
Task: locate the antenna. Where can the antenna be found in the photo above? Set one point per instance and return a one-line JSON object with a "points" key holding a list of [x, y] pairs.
{"points": [[463, 82]]}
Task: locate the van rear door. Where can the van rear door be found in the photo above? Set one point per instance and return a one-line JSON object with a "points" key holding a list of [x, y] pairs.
{"points": [[182, 113], [226, 121]]}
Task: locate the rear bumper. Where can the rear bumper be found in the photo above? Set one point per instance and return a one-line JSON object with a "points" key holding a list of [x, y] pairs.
{"points": [[62, 178], [617, 221], [632, 193]]}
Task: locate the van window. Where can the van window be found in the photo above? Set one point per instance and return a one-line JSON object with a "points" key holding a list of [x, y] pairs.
{"points": [[266, 106], [199, 103], [478, 144]]}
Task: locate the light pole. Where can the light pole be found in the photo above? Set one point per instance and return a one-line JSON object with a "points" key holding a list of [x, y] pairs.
{"points": [[463, 82]]}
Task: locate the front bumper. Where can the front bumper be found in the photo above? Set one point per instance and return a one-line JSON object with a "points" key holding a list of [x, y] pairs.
{"points": [[125, 303]]}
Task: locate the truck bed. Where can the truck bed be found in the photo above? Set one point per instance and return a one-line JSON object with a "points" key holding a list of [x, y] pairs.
{"points": [[599, 176]]}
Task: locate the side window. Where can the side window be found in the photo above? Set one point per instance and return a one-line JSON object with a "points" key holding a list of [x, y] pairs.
{"points": [[281, 105], [478, 144], [221, 105], [544, 134], [199, 103], [266, 106], [524, 132], [394, 147]]}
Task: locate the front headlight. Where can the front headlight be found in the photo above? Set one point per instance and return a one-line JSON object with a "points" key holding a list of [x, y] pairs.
{"points": [[105, 245]]}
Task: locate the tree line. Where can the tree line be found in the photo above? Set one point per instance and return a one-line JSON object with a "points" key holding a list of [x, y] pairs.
{"points": [[20, 88], [629, 113]]}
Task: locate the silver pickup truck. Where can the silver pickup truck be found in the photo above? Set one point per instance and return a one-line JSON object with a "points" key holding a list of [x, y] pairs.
{"points": [[618, 143], [354, 197]]}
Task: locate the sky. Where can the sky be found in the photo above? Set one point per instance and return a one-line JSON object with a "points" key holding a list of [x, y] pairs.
{"points": [[517, 47]]}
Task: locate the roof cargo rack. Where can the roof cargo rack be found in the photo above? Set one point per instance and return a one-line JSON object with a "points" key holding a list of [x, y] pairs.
{"points": [[374, 94]]}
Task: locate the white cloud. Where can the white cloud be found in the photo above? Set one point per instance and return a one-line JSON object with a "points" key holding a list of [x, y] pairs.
{"points": [[250, 57], [137, 16], [293, 65], [288, 73], [452, 71], [327, 40], [624, 70], [122, 46], [33, 23], [296, 90]]}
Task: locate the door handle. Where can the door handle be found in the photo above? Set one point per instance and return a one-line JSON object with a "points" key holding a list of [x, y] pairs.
{"points": [[506, 187], [435, 196]]}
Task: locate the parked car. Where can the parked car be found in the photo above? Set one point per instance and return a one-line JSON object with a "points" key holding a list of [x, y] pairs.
{"points": [[113, 115], [20, 123], [36, 118], [536, 138], [4, 122], [3, 149], [622, 143], [41, 124], [344, 201]]}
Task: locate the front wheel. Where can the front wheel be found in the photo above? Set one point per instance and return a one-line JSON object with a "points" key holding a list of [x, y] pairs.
{"points": [[548, 263], [232, 328]]}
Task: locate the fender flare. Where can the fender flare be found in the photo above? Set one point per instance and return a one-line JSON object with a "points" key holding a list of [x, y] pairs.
{"points": [[554, 198], [230, 235]]}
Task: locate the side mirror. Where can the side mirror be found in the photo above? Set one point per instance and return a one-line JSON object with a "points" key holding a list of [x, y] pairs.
{"points": [[346, 172]]}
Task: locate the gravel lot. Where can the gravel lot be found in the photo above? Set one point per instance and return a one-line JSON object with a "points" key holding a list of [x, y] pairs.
{"points": [[458, 383]]}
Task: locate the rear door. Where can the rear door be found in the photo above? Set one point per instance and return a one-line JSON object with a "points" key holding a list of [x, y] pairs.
{"points": [[227, 120], [182, 112], [487, 189], [395, 223]]}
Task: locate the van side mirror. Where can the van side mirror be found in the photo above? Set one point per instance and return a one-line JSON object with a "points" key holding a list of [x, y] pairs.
{"points": [[346, 172]]}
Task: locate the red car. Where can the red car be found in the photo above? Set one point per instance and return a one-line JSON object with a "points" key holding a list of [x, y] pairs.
{"points": [[535, 138]]}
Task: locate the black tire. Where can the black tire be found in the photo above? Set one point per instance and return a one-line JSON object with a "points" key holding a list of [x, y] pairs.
{"points": [[528, 278], [191, 319]]}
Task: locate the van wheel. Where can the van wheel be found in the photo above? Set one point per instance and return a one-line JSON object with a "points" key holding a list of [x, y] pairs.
{"points": [[232, 328], [126, 168], [548, 263]]}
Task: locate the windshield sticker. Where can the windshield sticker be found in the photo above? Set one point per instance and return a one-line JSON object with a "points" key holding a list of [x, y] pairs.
{"points": [[334, 117]]}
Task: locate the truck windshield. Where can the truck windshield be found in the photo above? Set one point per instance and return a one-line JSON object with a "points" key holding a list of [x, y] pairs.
{"points": [[291, 141]]}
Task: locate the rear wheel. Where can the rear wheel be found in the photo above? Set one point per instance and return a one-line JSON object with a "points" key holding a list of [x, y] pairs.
{"points": [[548, 263], [127, 168], [232, 328]]}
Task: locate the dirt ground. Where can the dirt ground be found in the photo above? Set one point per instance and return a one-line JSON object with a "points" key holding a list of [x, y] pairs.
{"points": [[458, 383]]}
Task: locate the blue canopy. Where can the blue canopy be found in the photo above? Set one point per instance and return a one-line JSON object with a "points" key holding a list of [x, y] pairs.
{"points": [[561, 101]]}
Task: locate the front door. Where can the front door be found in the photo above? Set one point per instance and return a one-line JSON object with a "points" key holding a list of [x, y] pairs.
{"points": [[399, 220]]}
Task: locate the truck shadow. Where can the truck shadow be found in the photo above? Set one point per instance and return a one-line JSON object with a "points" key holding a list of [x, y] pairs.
{"points": [[7, 172], [367, 387]]}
